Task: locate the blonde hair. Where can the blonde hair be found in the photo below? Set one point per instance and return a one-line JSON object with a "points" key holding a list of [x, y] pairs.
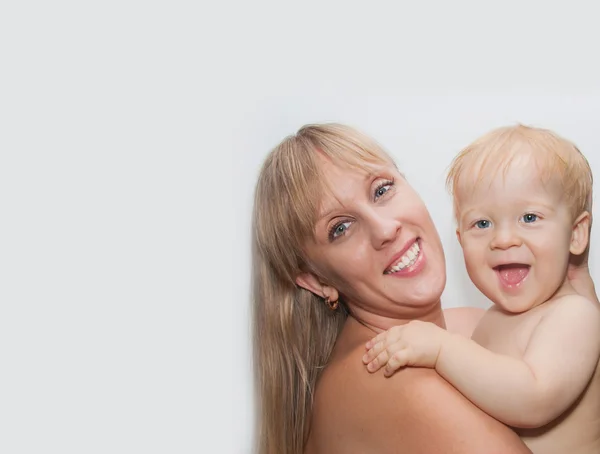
{"points": [[554, 156], [294, 332]]}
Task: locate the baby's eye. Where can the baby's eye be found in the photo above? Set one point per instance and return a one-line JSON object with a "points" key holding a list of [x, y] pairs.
{"points": [[529, 218], [483, 224]]}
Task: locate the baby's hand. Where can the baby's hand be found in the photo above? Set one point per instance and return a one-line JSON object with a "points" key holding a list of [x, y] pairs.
{"points": [[414, 344]]}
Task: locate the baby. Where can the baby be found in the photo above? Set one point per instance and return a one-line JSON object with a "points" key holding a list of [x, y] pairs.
{"points": [[522, 200]]}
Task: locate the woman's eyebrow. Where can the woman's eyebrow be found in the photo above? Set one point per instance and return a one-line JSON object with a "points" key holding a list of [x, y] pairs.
{"points": [[368, 178], [326, 213]]}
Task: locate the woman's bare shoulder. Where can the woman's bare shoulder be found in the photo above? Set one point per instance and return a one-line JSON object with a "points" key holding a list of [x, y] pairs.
{"points": [[356, 411], [350, 404]]}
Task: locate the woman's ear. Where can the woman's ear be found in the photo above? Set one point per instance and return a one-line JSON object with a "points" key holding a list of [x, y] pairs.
{"points": [[580, 236], [313, 284]]}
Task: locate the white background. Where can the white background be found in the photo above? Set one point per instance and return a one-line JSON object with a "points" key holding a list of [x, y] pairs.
{"points": [[131, 134]]}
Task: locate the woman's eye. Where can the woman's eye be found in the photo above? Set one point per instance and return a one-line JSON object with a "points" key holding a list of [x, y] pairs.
{"points": [[339, 230], [482, 224], [529, 218], [381, 190]]}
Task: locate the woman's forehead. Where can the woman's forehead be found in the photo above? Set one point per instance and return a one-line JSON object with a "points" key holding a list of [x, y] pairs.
{"points": [[363, 170]]}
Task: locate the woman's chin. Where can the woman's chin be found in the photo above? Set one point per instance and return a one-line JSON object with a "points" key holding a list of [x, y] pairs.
{"points": [[427, 292]]}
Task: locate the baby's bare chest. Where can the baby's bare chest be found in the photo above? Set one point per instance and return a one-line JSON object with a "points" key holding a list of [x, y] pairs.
{"points": [[506, 334]]}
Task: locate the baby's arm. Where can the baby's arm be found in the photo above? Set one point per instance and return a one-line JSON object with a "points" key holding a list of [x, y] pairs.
{"points": [[557, 364]]}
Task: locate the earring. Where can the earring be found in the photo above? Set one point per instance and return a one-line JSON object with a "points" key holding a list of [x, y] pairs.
{"points": [[332, 305]]}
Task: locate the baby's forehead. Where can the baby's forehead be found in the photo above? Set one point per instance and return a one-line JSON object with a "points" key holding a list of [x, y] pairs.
{"points": [[513, 180], [521, 169]]}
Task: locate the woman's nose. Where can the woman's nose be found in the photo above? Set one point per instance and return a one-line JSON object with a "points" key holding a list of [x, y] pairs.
{"points": [[385, 229]]}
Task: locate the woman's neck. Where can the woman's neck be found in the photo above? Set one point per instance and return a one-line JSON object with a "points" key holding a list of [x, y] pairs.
{"points": [[378, 323]]}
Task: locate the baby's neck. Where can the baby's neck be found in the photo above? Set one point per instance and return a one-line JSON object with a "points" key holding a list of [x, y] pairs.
{"points": [[565, 289]]}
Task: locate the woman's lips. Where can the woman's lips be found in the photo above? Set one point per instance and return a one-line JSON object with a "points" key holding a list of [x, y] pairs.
{"points": [[415, 265]]}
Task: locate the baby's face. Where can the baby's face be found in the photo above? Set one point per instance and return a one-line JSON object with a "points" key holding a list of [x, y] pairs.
{"points": [[515, 232]]}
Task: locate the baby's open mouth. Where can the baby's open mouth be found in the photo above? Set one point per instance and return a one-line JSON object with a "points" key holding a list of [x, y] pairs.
{"points": [[512, 274]]}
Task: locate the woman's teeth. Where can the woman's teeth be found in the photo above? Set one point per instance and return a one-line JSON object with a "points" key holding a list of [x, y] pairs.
{"points": [[407, 259]]}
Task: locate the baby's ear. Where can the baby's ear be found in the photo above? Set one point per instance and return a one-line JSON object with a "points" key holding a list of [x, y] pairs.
{"points": [[580, 236]]}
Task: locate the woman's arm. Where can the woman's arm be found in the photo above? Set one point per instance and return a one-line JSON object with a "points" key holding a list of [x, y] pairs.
{"points": [[579, 277]]}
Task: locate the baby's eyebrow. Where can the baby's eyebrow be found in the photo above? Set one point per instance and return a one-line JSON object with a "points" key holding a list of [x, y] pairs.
{"points": [[468, 214]]}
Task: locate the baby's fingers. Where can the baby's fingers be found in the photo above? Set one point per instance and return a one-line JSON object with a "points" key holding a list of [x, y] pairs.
{"points": [[378, 362], [377, 339], [373, 352], [399, 359]]}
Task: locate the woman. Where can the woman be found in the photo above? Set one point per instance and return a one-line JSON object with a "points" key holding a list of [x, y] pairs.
{"points": [[344, 248]]}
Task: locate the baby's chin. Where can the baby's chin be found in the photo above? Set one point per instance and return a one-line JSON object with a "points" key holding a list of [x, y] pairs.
{"points": [[513, 304]]}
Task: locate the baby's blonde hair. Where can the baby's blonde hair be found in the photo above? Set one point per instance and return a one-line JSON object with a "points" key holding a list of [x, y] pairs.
{"points": [[554, 156]]}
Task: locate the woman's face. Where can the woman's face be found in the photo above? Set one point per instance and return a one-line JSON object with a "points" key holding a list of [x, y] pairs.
{"points": [[375, 243]]}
